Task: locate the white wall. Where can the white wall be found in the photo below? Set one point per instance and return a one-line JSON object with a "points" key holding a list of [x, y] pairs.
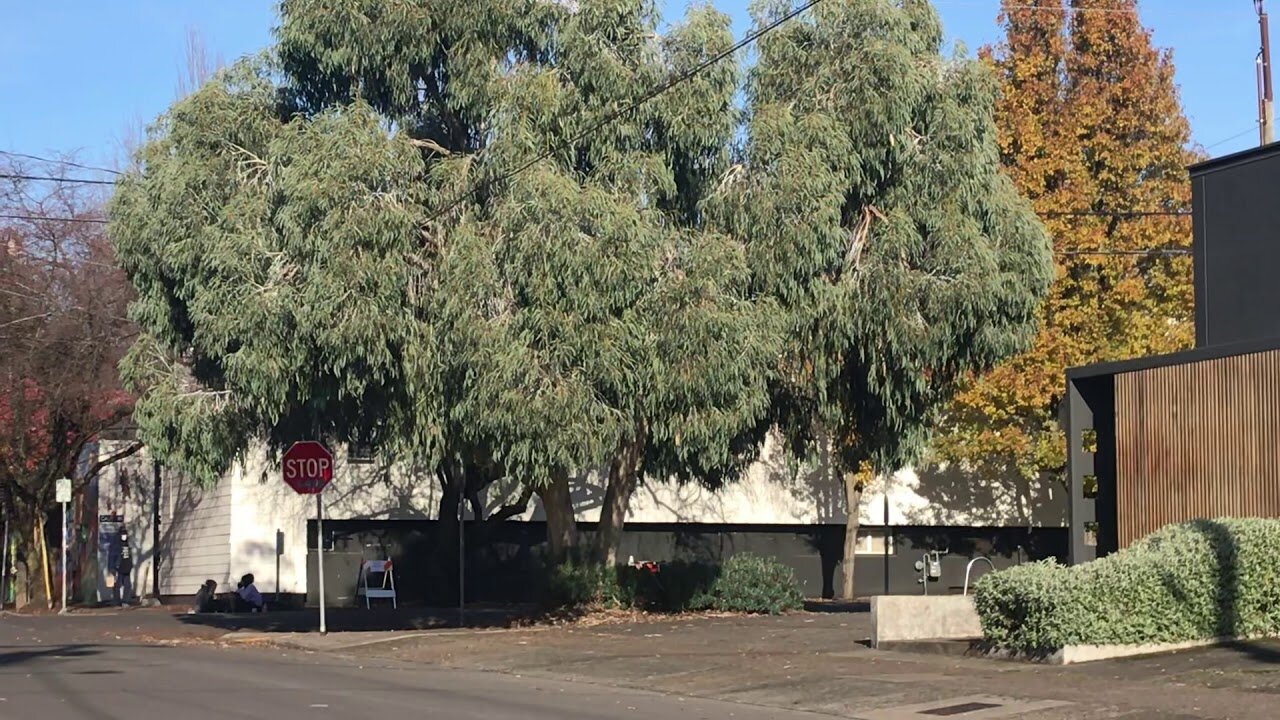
{"points": [[195, 524], [262, 504], [126, 489], [195, 534]]}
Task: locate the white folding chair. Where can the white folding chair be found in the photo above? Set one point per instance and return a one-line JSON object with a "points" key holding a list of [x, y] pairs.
{"points": [[384, 590]]}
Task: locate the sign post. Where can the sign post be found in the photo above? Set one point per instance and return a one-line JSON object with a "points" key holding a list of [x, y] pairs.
{"points": [[308, 468], [63, 492], [4, 563]]}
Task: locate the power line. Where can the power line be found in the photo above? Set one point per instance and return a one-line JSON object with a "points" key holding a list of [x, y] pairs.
{"points": [[46, 178], [1116, 213], [1246, 131], [53, 219], [68, 163], [1149, 252], [655, 92], [1066, 9]]}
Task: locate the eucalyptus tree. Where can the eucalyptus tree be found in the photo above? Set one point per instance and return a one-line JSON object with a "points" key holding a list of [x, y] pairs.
{"points": [[430, 227], [270, 272], [875, 213]]}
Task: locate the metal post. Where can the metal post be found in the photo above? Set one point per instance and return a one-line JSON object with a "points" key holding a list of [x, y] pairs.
{"points": [[279, 552], [64, 559], [888, 536], [4, 564], [324, 629], [1266, 116], [155, 530], [462, 603]]}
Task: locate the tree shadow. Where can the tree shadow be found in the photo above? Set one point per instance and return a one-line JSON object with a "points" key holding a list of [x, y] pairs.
{"points": [[836, 606], [810, 481], [1225, 552], [17, 655], [948, 494], [361, 620]]}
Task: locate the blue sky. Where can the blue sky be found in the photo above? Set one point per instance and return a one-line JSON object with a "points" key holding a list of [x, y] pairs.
{"points": [[80, 75]]}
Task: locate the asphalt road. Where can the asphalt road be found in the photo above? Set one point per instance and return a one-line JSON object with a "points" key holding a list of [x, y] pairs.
{"points": [[50, 672]]}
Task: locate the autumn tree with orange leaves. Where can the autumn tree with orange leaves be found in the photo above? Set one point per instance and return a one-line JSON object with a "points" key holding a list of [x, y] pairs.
{"points": [[1091, 129]]}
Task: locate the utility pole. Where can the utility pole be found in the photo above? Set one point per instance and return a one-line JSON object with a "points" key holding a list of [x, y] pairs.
{"points": [[1266, 117]]}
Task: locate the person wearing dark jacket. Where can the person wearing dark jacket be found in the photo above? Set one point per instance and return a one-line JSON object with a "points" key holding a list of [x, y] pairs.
{"points": [[123, 569]]}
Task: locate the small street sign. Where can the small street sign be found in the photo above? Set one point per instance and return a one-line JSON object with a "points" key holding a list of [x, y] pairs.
{"points": [[62, 493], [308, 467]]}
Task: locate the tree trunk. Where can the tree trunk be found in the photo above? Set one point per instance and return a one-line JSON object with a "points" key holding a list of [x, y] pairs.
{"points": [[624, 476], [562, 528], [853, 484]]}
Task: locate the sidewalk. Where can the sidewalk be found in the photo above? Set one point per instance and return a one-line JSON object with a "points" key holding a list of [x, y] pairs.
{"points": [[818, 662]]}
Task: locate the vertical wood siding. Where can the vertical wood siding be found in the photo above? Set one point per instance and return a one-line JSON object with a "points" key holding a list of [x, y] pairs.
{"points": [[1197, 440]]}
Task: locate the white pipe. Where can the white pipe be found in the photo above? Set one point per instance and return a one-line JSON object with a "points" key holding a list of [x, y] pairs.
{"points": [[969, 567]]}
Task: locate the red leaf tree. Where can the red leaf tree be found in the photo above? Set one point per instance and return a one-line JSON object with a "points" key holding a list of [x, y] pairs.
{"points": [[63, 328]]}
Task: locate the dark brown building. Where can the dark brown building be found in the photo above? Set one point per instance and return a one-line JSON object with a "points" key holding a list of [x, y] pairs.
{"points": [[1193, 434]]}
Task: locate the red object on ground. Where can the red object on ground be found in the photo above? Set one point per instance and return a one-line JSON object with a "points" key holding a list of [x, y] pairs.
{"points": [[308, 467]]}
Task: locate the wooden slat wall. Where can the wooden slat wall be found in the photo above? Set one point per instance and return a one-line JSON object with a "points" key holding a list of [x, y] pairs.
{"points": [[1197, 440]]}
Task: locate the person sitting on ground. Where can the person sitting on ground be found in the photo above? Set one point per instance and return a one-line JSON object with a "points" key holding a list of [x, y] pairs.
{"points": [[206, 598], [249, 596]]}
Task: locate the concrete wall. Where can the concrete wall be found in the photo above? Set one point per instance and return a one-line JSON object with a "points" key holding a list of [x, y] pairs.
{"points": [[503, 561], [935, 617]]}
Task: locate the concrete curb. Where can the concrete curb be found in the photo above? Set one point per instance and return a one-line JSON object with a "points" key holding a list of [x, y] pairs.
{"points": [[1069, 655], [335, 643]]}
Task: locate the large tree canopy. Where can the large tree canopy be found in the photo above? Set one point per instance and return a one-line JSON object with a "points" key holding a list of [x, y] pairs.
{"points": [[874, 210], [430, 226], [345, 250]]}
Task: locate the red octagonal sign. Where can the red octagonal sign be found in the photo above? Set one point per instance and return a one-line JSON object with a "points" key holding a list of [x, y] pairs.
{"points": [[308, 467]]}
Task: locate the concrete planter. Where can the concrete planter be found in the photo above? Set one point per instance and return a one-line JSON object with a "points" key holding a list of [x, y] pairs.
{"points": [[898, 618]]}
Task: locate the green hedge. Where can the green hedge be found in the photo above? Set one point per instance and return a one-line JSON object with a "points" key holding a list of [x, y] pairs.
{"points": [[1197, 580], [745, 583]]}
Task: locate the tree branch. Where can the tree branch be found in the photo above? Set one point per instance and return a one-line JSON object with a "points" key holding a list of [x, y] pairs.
{"points": [[132, 449], [514, 509]]}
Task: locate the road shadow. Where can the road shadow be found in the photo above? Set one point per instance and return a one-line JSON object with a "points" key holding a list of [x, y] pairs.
{"points": [[837, 606], [1266, 651], [17, 655], [359, 620]]}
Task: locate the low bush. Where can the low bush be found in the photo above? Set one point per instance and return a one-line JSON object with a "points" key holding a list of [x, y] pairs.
{"points": [[1192, 581], [745, 583], [676, 587], [581, 585], [754, 584]]}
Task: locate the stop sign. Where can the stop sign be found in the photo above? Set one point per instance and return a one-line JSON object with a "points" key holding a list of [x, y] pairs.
{"points": [[308, 467]]}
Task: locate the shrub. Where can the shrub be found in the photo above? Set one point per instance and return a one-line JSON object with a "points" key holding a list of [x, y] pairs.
{"points": [[753, 584], [1196, 580], [677, 586], [746, 583], [575, 585]]}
